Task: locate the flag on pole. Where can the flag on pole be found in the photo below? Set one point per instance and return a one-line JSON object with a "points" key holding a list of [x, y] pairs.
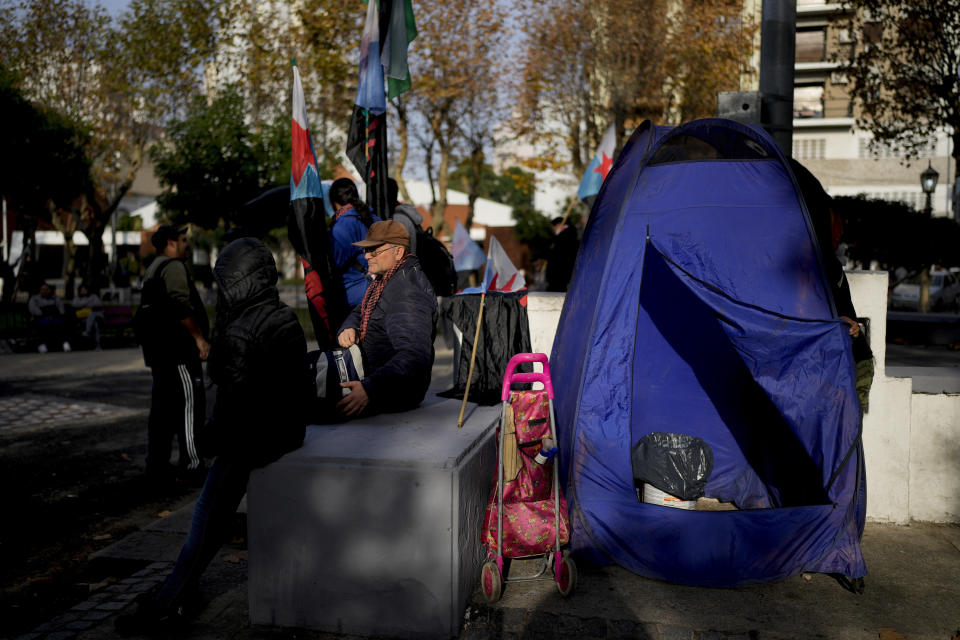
{"points": [[500, 274], [367, 138], [401, 31], [370, 95], [307, 228], [467, 255], [600, 166]]}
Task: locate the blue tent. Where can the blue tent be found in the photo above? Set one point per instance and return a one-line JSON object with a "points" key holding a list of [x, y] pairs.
{"points": [[699, 306]]}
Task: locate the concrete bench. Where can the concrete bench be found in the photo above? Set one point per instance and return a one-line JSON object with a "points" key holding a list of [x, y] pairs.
{"points": [[373, 526]]}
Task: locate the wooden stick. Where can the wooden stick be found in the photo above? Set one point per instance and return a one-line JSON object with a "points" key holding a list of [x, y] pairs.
{"points": [[473, 355], [569, 209]]}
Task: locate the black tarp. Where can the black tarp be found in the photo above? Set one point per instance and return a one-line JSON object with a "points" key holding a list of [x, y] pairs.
{"points": [[503, 334]]}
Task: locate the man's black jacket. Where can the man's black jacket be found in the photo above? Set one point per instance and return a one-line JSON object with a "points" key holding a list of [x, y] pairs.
{"points": [[258, 360], [398, 346]]}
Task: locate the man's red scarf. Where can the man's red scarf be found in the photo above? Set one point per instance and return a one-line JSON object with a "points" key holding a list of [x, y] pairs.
{"points": [[372, 296]]}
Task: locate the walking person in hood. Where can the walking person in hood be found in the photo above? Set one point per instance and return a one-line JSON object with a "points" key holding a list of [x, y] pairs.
{"points": [[258, 361]]}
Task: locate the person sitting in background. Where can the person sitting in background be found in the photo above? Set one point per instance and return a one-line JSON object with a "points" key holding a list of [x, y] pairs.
{"points": [[351, 219], [46, 312], [89, 309], [394, 326]]}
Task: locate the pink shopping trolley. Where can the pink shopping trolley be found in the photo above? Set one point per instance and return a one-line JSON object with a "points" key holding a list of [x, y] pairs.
{"points": [[526, 515]]}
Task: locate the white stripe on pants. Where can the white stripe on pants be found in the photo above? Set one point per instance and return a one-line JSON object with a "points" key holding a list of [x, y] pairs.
{"points": [[188, 411]]}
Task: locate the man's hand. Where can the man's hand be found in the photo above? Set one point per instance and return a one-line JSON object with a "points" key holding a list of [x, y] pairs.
{"points": [[354, 402], [347, 338], [203, 347], [854, 326]]}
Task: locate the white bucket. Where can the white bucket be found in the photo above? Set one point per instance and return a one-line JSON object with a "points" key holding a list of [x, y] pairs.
{"points": [[652, 495]]}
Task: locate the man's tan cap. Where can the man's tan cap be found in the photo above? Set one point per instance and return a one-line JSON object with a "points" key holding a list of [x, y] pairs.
{"points": [[385, 232]]}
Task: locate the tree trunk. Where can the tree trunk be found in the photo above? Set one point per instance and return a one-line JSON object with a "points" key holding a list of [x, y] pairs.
{"points": [[401, 161], [473, 181], [924, 301], [64, 221], [442, 179]]}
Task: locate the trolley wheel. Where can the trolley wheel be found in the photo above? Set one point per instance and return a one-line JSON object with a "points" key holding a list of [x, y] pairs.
{"points": [[568, 576], [490, 581]]}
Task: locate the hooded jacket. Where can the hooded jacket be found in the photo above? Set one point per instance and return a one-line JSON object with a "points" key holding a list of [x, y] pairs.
{"points": [[398, 346], [258, 360]]}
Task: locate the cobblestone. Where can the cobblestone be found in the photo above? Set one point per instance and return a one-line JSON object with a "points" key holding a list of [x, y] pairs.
{"points": [[97, 615], [26, 411]]}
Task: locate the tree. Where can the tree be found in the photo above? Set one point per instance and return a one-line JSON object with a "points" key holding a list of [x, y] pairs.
{"points": [[896, 235], [258, 40], [587, 64], [44, 166], [457, 82], [904, 72], [711, 46], [119, 81], [214, 161]]}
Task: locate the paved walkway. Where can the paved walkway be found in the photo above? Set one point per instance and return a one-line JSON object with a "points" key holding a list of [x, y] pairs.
{"points": [[912, 590]]}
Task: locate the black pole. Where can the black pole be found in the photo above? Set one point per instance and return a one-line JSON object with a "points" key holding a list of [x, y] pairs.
{"points": [[778, 38]]}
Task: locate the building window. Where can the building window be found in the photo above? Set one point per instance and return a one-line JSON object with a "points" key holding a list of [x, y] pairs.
{"points": [[808, 101], [811, 45], [809, 148]]}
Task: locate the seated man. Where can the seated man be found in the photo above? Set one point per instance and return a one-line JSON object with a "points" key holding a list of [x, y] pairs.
{"points": [[394, 327], [46, 312]]}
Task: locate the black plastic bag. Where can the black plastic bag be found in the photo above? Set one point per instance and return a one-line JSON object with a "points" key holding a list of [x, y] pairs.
{"points": [[676, 463]]}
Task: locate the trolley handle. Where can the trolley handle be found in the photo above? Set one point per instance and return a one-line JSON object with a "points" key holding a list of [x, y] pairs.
{"points": [[510, 377]]}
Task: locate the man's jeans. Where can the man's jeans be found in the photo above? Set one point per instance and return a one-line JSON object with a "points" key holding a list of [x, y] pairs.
{"points": [[224, 489]]}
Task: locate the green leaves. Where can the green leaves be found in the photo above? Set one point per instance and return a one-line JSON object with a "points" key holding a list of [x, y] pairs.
{"points": [[44, 157], [214, 160]]}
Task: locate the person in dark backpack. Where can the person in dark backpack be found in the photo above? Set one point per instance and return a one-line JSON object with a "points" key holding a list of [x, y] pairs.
{"points": [[259, 363], [174, 345], [351, 219], [435, 260]]}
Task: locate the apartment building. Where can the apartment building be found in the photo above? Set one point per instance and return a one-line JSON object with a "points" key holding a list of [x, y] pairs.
{"points": [[825, 136]]}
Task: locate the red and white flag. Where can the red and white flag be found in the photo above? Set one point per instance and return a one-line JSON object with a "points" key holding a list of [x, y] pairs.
{"points": [[500, 274]]}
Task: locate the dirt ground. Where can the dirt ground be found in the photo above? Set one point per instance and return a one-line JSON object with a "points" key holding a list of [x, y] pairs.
{"points": [[69, 490]]}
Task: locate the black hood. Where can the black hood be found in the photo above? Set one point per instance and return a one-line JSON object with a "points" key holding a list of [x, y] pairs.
{"points": [[245, 273]]}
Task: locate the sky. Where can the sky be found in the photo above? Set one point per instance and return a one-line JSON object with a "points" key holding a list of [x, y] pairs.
{"points": [[115, 7]]}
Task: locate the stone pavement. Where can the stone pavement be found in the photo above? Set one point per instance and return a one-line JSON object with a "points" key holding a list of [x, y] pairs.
{"points": [[29, 412], [912, 590]]}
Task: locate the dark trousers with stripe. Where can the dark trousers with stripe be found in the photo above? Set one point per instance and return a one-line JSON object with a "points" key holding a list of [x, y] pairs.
{"points": [[177, 407]]}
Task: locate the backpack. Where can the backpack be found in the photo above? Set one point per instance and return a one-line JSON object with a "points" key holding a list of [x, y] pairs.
{"points": [[436, 262], [148, 321]]}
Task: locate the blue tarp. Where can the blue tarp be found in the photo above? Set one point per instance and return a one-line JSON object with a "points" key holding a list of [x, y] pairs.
{"points": [[699, 306]]}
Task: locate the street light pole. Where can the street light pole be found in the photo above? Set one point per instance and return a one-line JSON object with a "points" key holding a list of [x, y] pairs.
{"points": [[928, 182]]}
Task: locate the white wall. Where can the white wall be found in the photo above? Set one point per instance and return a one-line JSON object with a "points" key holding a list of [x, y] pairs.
{"points": [[911, 440]]}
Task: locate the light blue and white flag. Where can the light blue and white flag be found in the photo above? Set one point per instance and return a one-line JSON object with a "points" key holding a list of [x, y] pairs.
{"points": [[467, 254], [370, 93], [600, 166]]}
